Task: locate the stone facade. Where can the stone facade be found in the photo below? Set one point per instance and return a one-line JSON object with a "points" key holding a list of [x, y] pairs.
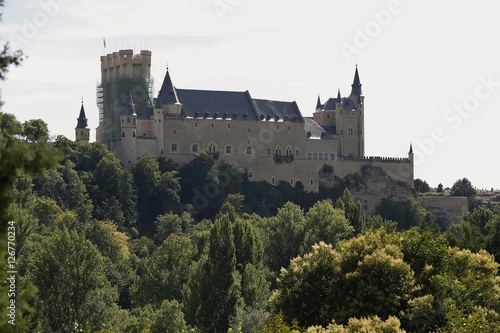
{"points": [[269, 139]]}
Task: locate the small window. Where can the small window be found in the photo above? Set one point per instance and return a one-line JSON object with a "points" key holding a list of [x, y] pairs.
{"points": [[174, 132], [332, 157], [291, 181], [228, 125], [277, 151], [174, 147], [123, 134], [195, 124], [312, 182], [320, 156], [128, 120], [289, 128], [278, 127], [273, 180], [161, 151], [194, 148], [268, 151], [81, 132], [327, 117], [297, 151], [288, 151], [122, 120], [309, 156], [159, 120], [133, 134], [325, 156], [315, 156], [212, 125], [229, 150], [248, 150], [250, 175], [249, 130]]}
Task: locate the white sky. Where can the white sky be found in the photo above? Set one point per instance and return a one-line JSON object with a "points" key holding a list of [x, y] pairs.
{"points": [[423, 65]]}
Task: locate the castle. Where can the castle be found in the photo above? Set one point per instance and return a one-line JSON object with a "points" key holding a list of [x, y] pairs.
{"points": [[268, 139]]}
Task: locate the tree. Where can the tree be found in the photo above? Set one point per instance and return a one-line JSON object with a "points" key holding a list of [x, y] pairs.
{"points": [[325, 224], [353, 211], [287, 230], [421, 186], [212, 293], [68, 271], [463, 188], [162, 276], [440, 188]]}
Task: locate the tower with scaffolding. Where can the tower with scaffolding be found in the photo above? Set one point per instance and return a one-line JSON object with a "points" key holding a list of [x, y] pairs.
{"points": [[122, 72]]}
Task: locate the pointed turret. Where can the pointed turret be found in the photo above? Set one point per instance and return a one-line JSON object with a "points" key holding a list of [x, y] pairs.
{"points": [[128, 106], [167, 95], [82, 132], [356, 85], [82, 119], [411, 149], [339, 98], [318, 103]]}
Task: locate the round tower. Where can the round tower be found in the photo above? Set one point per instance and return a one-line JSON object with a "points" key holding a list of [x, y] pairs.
{"points": [[128, 126]]}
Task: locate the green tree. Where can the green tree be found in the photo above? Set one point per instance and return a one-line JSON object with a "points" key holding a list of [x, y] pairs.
{"points": [[169, 318], [421, 186], [68, 271], [353, 211], [161, 276], [212, 293], [325, 223], [285, 236], [463, 188]]}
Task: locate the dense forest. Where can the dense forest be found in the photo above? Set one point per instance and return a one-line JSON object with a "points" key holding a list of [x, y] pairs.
{"points": [[200, 248]]}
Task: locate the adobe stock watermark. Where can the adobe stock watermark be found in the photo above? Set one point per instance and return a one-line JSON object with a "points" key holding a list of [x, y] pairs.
{"points": [[363, 37], [455, 116], [31, 26], [222, 7]]}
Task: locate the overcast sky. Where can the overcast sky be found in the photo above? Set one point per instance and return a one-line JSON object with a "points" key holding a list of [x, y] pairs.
{"points": [[430, 69]]}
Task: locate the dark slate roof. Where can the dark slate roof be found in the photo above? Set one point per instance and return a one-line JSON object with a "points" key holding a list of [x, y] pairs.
{"points": [[277, 111], [82, 119], [356, 85], [318, 103], [330, 104], [147, 113], [167, 95], [314, 130], [217, 104], [128, 106]]}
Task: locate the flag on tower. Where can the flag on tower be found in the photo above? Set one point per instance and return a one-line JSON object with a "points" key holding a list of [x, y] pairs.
{"points": [[104, 41]]}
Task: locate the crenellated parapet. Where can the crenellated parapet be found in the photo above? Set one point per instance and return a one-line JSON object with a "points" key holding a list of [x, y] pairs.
{"points": [[375, 159]]}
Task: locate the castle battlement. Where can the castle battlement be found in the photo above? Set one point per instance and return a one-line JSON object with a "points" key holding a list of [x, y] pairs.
{"points": [[375, 159]]}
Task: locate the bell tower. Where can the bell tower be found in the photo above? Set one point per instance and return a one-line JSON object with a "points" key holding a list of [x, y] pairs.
{"points": [[82, 130]]}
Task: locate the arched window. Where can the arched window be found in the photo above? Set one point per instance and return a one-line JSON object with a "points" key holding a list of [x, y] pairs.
{"points": [[229, 150], [288, 151], [194, 148], [248, 150], [212, 148], [320, 156], [309, 156], [250, 175], [174, 147], [291, 181], [297, 151], [277, 151]]}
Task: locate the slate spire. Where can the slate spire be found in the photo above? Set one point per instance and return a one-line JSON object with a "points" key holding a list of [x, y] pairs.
{"points": [[82, 119], [356, 85], [318, 103], [167, 95], [128, 106], [339, 98]]}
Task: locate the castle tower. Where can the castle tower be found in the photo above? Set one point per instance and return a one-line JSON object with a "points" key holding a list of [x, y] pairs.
{"points": [[128, 125], [82, 132], [411, 158], [122, 72], [351, 123]]}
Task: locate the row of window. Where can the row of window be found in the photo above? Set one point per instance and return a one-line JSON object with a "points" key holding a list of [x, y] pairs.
{"points": [[273, 179], [195, 148], [320, 156]]}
